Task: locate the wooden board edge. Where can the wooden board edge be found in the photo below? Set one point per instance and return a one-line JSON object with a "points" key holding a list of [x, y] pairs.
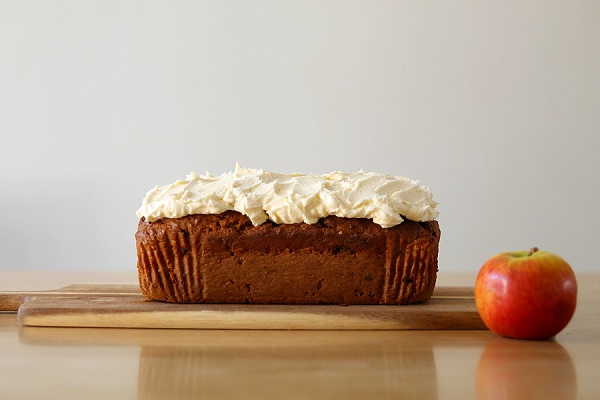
{"points": [[440, 316]]}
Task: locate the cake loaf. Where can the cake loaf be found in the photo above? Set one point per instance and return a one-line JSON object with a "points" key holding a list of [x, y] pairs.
{"points": [[252, 236]]}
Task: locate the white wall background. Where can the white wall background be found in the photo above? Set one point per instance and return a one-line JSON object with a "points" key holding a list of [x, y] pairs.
{"points": [[493, 104]]}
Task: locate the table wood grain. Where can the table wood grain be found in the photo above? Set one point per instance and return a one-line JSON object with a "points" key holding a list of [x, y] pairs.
{"points": [[100, 363]]}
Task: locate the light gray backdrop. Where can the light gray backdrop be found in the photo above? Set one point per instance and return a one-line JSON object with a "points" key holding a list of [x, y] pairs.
{"points": [[492, 104]]}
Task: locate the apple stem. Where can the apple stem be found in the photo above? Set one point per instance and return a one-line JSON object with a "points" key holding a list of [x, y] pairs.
{"points": [[533, 250]]}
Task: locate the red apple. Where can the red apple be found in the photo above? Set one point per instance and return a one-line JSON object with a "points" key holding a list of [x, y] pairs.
{"points": [[526, 294]]}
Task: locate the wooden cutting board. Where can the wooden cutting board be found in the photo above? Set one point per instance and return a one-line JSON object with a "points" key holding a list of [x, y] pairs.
{"points": [[122, 306]]}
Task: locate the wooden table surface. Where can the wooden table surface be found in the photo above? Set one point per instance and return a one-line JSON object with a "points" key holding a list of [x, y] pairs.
{"points": [[95, 363]]}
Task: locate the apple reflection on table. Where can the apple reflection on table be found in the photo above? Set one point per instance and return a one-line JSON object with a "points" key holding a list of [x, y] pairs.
{"points": [[525, 369]]}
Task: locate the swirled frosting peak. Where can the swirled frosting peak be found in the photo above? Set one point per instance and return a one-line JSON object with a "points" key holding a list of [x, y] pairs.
{"points": [[293, 198]]}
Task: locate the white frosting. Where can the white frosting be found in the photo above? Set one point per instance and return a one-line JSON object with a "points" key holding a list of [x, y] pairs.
{"points": [[293, 198]]}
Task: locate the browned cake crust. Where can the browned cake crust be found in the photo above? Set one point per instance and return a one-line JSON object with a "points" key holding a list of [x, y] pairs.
{"points": [[223, 258]]}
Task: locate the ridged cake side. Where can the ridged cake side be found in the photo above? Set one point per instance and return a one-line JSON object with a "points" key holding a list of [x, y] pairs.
{"points": [[224, 258]]}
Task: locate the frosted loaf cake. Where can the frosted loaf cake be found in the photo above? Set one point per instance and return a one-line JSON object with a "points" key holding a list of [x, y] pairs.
{"points": [[253, 236]]}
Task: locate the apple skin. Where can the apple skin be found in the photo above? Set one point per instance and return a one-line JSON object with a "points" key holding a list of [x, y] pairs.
{"points": [[526, 294]]}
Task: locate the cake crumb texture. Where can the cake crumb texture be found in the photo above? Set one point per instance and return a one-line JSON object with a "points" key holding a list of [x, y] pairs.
{"points": [[224, 258]]}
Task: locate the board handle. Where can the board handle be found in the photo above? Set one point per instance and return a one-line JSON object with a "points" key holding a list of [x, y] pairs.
{"points": [[11, 301]]}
